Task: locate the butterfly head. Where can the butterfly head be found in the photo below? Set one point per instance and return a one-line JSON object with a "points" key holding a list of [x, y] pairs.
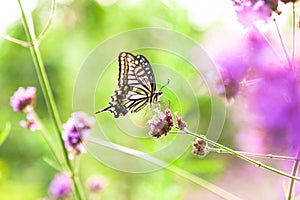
{"points": [[156, 96]]}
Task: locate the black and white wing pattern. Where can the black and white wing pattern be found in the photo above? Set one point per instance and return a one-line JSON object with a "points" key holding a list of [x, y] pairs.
{"points": [[136, 86]]}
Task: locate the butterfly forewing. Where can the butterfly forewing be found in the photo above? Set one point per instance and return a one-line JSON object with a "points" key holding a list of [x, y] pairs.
{"points": [[136, 85]]}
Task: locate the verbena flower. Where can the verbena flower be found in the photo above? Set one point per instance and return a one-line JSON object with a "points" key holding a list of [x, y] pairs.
{"points": [[96, 183], [31, 123], [245, 60], [275, 105], [233, 67], [200, 147], [161, 123], [61, 186], [74, 130], [23, 99], [249, 11], [180, 123]]}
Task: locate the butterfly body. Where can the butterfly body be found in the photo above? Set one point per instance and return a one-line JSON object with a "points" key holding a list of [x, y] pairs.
{"points": [[136, 86]]}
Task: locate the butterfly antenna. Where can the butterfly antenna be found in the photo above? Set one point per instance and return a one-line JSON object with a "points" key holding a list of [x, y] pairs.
{"points": [[102, 110], [165, 85]]}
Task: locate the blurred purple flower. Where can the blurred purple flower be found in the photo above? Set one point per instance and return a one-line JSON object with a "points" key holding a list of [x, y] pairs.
{"points": [[74, 129], [249, 11], [200, 147], [23, 99], [243, 62], [233, 67], [31, 123], [275, 103], [161, 123], [61, 186], [96, 183]]}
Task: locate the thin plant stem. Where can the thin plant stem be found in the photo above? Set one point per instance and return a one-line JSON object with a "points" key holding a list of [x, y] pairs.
{"points": [[49, 22], [40, 69], [15, 40], [259, 155], [246, 158], [46, 137], [151, 159], [294, 173], [40, 36], [271, 46], [288, 60], [293, 35], [44, 82]]}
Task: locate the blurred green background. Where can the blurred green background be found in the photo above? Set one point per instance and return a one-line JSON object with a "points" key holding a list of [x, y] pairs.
{"points": [[79, 26]]}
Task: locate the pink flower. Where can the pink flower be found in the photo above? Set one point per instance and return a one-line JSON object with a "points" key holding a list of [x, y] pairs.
{"points": [[31, 123], [180, 123], [161, 123], [249, 11], [74, 129], [96, 184], [61, 186], [23, 99], [200, 147]]}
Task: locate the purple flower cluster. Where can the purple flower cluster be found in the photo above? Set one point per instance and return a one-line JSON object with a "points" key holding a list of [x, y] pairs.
{"points": [[23, 99], [161, 123], [61, 186], [200, 147], [266, 86], [275, 101], [74, 130], [249, 11]]}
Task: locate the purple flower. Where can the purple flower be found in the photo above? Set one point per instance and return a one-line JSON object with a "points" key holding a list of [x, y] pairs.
{"points": [[161, 123], [61, 186], [275, 105], [31, 123], [180, 123], [200, 147], [249, 11], [96, 184], [23, 99], [74, 129], [244, 62], [233, 67]]}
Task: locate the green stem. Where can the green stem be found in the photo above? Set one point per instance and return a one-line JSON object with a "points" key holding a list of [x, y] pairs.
{"points": [[259, 164], [260, 155], [294, 173], [40, 69], [151, 159]]}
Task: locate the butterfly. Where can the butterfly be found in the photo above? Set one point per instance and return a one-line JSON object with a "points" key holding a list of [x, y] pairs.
{"points": [[136, 86]]}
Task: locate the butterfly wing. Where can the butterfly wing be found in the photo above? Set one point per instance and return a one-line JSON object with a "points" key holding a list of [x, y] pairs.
{"points": [[136, 85]]}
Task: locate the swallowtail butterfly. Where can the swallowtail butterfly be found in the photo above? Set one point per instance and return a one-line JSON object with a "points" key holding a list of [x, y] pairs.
{"points": [[136, 86]]}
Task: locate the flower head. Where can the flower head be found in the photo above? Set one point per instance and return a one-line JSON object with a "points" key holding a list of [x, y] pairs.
{"points": [[274, 103], [74, 129], [23, 99], [200, 147], [249, 11], [161, 123], [96, 184], [61, 186], [180, 123], [31, 123]]}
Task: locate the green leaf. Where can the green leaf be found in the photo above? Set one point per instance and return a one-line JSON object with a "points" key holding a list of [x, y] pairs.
{"points": [[4, 133]]}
